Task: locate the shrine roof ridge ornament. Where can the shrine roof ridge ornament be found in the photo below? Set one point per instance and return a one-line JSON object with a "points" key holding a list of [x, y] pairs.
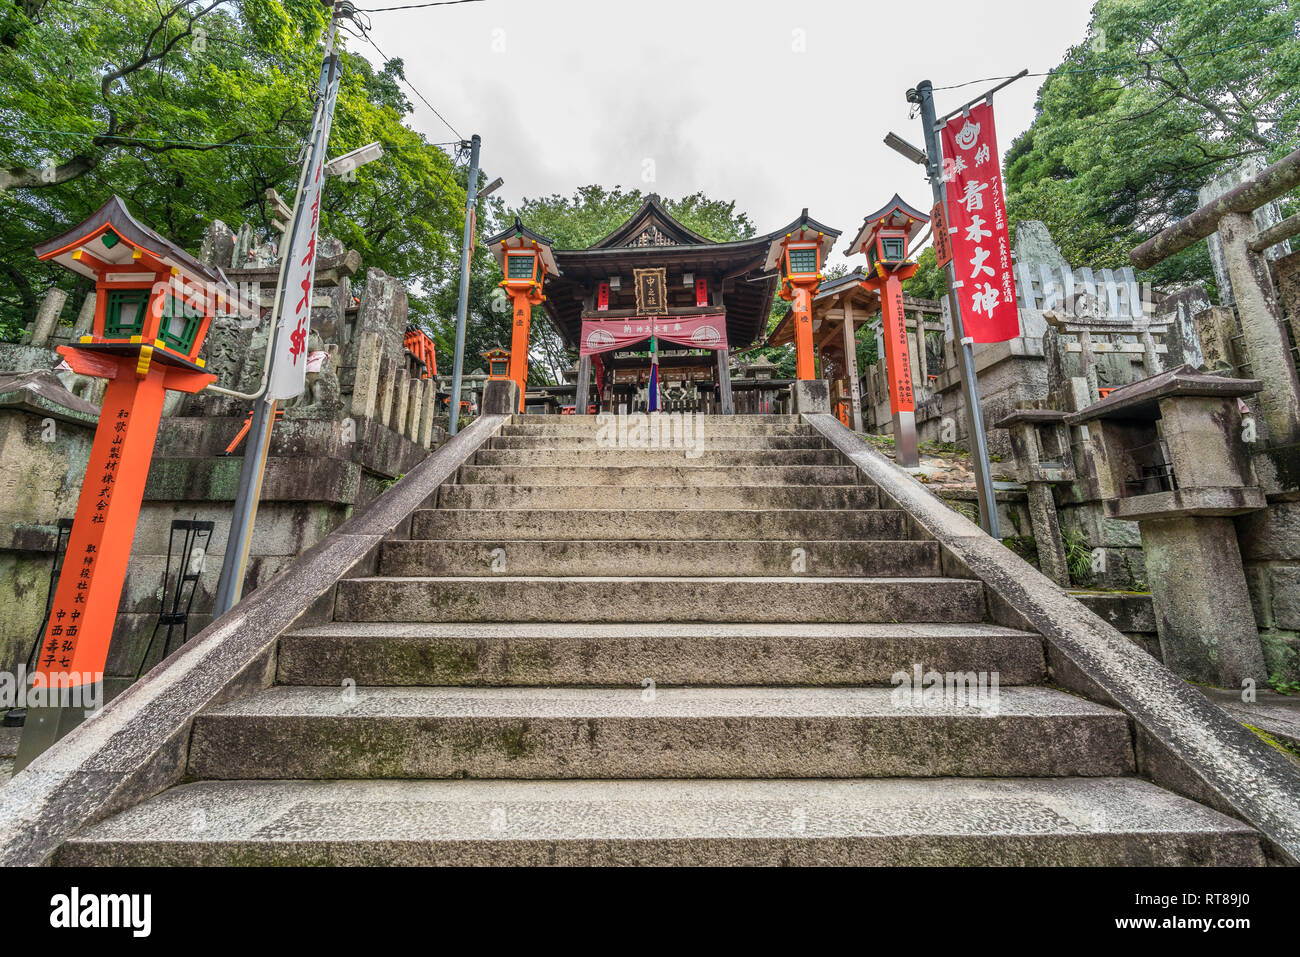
{"points": [[116, 234], [651, 214]]}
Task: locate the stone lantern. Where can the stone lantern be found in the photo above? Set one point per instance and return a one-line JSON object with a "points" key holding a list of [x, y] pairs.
{"points": [[1041, 445], [1169, 453]]}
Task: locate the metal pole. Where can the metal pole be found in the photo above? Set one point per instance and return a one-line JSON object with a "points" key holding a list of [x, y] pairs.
{"points": [[924, 96], [471, 200], [231, 584]]}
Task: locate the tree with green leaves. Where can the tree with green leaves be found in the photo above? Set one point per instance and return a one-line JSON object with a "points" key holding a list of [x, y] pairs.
{"points": [[190, 110], [1162, 96]]}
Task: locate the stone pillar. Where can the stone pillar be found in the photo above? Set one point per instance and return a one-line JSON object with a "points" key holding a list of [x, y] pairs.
{"points": [[430, 404], [387, 379], [1047, 533], [1206, 634], [47, 316], [85, 317], [414, 409], [1262, 328], [810, 396], [501, 397], [218, 248], [724, 382], [582, 387], [365, 381], [401, 399], [1215, 328], [851, 360]]}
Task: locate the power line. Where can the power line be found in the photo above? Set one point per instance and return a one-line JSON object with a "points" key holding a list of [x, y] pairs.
{"points": [[1122, 66], [366, 35], [416, 6]]}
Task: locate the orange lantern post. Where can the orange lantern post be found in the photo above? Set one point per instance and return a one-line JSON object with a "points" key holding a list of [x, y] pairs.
{"points": [[525, 258], [153, 305], [885, 238], [799, 257]]}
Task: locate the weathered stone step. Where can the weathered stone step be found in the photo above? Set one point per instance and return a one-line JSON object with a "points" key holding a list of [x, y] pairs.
{"points": [[659, 497], [590, 421], [667, 599], [555, 655], [642, 476], [332, 732], [657, 457], [464, 524], [823, 559], [888, 821], [711, 425], [707, 443]]}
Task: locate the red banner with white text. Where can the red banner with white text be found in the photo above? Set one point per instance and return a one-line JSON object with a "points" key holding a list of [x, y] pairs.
{"points": [[696, 332], [978, 222]]}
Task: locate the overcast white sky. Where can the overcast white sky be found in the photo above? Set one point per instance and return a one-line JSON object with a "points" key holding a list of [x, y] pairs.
{"points": [[777, 105]]}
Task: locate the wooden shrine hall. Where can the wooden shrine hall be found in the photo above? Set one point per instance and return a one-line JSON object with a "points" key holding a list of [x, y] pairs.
{"points": [[653, 277]]}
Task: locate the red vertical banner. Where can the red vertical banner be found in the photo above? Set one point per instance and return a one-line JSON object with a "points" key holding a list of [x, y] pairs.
{"points": [[981, 248]]}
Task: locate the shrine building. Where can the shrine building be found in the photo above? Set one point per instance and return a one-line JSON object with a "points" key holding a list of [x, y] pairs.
{"points": [[655, 277]]}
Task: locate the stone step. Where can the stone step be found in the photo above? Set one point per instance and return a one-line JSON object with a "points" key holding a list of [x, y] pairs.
{"points": [[402, 732], [706, 443], [464, 524], [824, 559], [709, 425], [642, 476], [656, 457], [665, 599], [557, 655], [888, 821], [592, 421], [661, 497]]}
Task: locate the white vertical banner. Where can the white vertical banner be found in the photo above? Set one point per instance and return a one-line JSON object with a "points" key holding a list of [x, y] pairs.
{"points": [[289, 367]]}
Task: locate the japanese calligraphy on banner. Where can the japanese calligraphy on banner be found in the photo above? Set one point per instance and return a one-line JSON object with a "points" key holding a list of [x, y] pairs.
{"points": [[981, 249], [698, 332], [289, 373]]}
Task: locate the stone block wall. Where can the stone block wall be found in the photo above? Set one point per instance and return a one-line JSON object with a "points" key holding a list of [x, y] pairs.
{"points": [[44, 448], [1270, 551]]}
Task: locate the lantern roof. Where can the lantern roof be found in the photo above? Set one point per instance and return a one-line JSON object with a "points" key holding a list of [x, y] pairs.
{"points": [[495, 351], [895, 214], [1141, 400], [803, 229], [111, 237], [519, 236]]}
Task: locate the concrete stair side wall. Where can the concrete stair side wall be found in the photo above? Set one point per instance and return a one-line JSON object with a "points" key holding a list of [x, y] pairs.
{"points": [[1183, 741], [138, 744]]}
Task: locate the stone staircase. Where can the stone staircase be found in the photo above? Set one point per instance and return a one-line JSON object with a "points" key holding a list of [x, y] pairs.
{"points": [[587, 654]]}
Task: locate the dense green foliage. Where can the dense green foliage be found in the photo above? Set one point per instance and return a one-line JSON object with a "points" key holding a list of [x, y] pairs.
{"points": [[190, 110], [1162, 96]]}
